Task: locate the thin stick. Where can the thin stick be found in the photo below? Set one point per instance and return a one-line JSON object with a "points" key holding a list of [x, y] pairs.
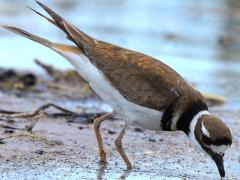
{"points": [[35, 120], [9, 127], [36, 112], [7, 112]]}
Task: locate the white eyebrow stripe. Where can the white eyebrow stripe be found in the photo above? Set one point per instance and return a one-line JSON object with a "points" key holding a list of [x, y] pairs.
{"points": [[193, 126], [205, 131]]}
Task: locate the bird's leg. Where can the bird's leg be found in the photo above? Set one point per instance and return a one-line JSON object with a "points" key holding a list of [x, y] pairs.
{"points": [[96, 124], [118, 144]]}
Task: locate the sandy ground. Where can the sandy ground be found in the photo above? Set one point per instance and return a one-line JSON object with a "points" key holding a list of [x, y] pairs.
{"points": [[58, 149]]}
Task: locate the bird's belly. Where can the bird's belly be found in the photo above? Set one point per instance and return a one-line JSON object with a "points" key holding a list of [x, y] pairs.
{"points": [[133, 113], [145, 117]]}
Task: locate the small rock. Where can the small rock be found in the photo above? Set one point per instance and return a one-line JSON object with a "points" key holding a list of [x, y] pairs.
{"points": [[80, 127], [29, 79], [40, 152], [8, 131], [7, 74], [10, 121], [1, 141], [137, 129], [152, 140], [111, 132]]}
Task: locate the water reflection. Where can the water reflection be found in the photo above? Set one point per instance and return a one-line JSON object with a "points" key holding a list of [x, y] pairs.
{"points": [[125, 174], [101, 172]]}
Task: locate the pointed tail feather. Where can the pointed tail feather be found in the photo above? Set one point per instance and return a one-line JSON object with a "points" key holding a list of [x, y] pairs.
{"points": [[82, 40], [60, 48], [45, 17], [58, 19], [28, 35]]}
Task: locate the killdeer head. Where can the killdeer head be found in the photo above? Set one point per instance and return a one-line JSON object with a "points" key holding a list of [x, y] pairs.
{"points": [[214, 137]]}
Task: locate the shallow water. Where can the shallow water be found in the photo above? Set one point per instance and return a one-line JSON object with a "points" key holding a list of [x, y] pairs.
{"points": [[198, 39]]}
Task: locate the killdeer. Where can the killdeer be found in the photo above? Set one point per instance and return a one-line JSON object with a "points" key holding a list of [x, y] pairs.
{"points": [[140, 89]]}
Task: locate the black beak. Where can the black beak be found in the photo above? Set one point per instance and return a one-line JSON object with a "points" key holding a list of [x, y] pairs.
{"points": [[218, 159]]}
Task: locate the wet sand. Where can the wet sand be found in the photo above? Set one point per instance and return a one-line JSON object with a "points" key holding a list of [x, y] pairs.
{"points": [[60, 149], [200, 40]]}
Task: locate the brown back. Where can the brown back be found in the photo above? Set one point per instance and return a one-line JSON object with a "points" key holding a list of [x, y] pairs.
{"points": [[139, 78]]}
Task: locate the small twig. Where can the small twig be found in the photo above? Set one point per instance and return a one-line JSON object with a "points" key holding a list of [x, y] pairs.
{"points": [[56, 74], [7, 112], [36, 112], [41, 111], [9, 127], [35, 120], [36, 115]]}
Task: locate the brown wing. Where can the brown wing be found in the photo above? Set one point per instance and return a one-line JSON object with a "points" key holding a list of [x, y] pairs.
{"points": [[140, 78]]}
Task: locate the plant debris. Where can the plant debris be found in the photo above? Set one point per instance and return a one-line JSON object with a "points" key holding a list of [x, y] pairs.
{"points": [[73, 117], [68, 84], [33, 137], [10, 79], [8, 131], [69, 76]]}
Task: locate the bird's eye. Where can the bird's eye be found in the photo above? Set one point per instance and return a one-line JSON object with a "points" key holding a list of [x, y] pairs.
{"points": [[206, 140]]}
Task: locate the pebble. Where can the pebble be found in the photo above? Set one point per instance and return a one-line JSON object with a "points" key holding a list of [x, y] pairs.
{"points": [[2, 142], [8, 131], [137, 129], [40, 152], [80, 127], [111, 132], [152, 140]]}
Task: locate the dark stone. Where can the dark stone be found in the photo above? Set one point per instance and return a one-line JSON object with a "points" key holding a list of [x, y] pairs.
{"points": [[40, 152], [80, 127], [1, 141], [10, 121], [111, 132], [29, 79], [152, 140], [137, 129], [9, 131], [7, 74]]}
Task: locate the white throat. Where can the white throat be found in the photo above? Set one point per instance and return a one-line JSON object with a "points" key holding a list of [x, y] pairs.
{"points": [[193, 126]]}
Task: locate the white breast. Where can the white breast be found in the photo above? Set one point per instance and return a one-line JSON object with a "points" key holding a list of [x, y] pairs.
{"points": [[126, 110]]}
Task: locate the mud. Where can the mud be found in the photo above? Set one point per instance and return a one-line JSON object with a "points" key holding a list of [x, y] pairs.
{"points": [[65, 148], [200, 40]]}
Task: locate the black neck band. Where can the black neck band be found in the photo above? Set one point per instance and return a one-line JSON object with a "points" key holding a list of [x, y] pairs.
{"points": [[187, 116], [166, 120]]}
